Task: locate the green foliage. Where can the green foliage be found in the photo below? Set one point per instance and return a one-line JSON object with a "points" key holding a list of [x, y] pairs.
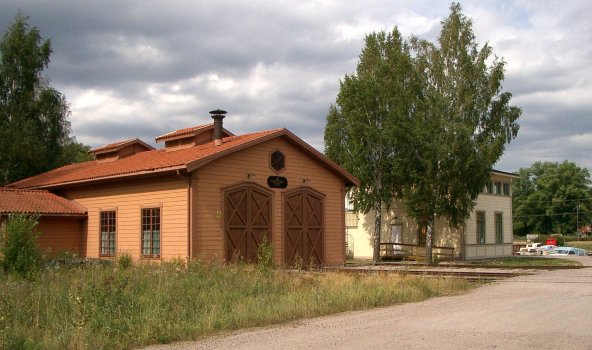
{"points": [[367, 127], [424, 122], [34, 124], [124, 261], [546, 198], [265, 256], [20, 252], [462, 124], [103, 307], [74, 152]]}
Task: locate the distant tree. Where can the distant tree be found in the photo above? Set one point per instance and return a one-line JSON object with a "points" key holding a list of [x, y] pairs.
{"points": [[551, 197], [460, 128], [34, 126], [74, 152], [365, 129]]}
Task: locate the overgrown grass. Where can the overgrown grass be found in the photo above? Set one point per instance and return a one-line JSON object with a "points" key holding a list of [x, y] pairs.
{"points": [[526, 261], [105, 307], [580, 244]]}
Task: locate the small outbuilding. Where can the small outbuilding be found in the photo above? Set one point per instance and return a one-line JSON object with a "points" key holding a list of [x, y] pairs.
{"points": [[61, 221], [209, 195]]}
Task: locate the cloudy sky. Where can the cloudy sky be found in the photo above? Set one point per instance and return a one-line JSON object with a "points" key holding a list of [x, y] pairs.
{"points": [[143, 68]]}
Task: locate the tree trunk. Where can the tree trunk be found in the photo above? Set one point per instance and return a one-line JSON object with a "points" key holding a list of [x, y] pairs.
{"points": [[429, 231], [377, 217], [377, 225]]}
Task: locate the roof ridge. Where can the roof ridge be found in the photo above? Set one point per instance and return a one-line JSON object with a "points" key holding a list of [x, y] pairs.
{"points": [[150, 161], [22, 189], [183, 130]]}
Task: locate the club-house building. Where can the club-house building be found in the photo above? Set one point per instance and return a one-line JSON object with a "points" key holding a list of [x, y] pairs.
{"points": [[207, 194]]}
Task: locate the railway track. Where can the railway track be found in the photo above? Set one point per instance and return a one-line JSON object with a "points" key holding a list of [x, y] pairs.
{"points": [[447, 273]]}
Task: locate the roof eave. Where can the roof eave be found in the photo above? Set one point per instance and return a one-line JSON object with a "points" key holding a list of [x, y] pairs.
{"points": [[510, 175], [112, 177]]}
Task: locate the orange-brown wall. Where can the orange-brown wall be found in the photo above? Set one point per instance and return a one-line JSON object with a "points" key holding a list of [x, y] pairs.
{"points": [[127, 198], [61, 235], [300, 170]]}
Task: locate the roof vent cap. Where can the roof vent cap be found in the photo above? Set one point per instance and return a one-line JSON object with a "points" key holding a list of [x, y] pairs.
{"points": [[218, 115]]}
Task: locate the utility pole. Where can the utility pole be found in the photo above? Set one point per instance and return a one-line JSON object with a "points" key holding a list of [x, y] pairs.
{"points": [[578, 221]]}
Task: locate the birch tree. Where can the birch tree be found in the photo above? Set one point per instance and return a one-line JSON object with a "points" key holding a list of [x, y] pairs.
{"points": [[365, 129], [461, 126], [34, 126]]}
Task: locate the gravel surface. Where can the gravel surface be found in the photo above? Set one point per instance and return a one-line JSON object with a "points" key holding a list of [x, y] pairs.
{"points": [[546, 310]]}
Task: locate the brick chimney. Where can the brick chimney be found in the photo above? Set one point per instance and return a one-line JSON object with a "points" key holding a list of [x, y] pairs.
{"points": [[218, 115]]}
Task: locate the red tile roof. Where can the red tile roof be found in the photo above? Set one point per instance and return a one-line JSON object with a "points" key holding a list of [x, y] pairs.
{"points": [[162, 160], [139, 163], [189, 132], [116, 146], [37, 202]]}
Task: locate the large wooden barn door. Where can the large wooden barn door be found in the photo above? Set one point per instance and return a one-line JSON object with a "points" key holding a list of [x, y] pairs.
{"points": [[304, 227], [247, 221]]}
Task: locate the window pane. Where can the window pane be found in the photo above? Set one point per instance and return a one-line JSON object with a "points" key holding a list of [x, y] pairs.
{"points": [[506, 189], [151, 232], [480, 227], [108, 223], [499, 228]]}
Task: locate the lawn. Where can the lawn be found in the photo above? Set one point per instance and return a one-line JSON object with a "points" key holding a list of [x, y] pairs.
{"points": [[526, 261], [106, 307]]}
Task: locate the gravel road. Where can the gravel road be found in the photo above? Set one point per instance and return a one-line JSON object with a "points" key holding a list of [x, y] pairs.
{"points": [[548, 310]]}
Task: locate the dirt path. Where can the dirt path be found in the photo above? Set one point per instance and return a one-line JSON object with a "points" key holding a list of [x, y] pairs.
{"points": [[549, 310]]}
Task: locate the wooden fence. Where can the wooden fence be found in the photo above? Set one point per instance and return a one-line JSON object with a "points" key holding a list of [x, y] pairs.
{"points": [[404, 251]]}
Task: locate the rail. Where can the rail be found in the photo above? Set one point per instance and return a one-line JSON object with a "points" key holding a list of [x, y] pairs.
{"points": [[405, 251]]}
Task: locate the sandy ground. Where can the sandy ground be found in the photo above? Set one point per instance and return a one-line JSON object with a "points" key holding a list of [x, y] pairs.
{"points": [[548, 310]]}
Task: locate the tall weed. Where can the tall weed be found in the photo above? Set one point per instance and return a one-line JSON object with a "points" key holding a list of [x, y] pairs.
{"points": [[101, 306]]}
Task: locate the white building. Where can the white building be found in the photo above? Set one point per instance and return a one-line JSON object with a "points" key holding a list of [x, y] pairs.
{"points": [[486, 233]]}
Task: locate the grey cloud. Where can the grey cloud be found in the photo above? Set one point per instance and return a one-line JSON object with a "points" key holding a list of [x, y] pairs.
{"points": [[125, 47]]}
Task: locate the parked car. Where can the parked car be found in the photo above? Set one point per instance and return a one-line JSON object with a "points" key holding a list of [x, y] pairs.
{"points": [[530, 249], [564, 251], [546, 249]]}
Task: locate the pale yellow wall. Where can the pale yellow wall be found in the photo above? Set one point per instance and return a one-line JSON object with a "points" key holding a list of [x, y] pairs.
{"points": [[395, 215], [490, 204], [127, 199], [300, 170], [361, 236]]}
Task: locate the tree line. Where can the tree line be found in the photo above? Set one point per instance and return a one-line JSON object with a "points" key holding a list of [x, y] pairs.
{"points": [[552, 197], [34, 127], [423, 122]]}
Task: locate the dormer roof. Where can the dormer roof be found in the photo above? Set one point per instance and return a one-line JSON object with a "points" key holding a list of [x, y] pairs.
{"points": [[120, 149], [190, 133], [119, 145]]}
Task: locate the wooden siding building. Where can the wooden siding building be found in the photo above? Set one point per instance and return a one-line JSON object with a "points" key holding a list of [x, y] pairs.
{"points": [[486, 233], [61, 221], [209, 195]]}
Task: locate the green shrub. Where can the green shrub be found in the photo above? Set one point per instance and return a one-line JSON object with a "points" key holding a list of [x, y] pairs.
{"points": [[124, 261], [21, 254], [265, 256]]}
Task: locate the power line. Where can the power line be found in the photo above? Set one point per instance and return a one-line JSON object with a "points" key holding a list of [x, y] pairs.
{"points": [[565, 200], [555, 214]]}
